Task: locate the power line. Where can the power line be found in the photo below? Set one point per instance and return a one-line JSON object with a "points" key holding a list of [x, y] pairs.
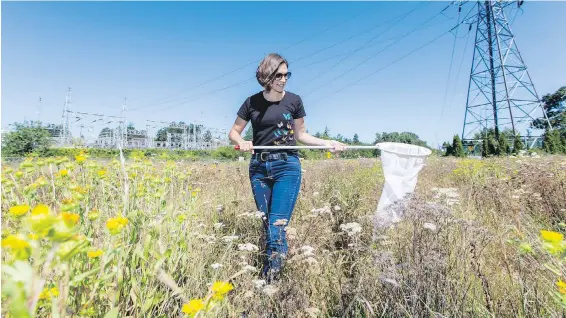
{"points": [[365, 45], [161, 101], [379, 52], [356, 35], [292, 61], [449, 73], [450, 66], [384, 67], [251, 78]]}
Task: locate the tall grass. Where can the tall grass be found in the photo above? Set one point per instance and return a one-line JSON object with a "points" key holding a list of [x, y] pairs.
{"points": [[76, 244]]}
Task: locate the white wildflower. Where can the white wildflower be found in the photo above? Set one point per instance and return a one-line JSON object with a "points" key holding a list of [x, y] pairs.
{"points": [[218, 225], [324, 210], [430, 226], [230, 238], [258, 283], [307, 250], [248, 247], [216, 266], [351, 228]]}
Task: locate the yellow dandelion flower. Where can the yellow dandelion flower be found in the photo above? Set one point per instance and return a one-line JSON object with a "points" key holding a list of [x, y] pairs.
{"points": [[64, 172], [551, 237], [328, 155], [40, 209], [115, 225], [48, 293], [94, 254], [102, 173], [80, 158], [220, 289], [40, 220], [14, 242], [18, 246], [70, 218], [561, 287], [19, 210], [193, 306]]}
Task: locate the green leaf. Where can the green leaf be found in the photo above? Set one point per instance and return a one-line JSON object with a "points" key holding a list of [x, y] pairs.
{"points": [[79, 278], [19, 272], [113, 313]]}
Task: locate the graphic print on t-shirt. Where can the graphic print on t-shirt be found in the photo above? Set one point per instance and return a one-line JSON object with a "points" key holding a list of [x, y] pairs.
{"points": [[285, 132]]}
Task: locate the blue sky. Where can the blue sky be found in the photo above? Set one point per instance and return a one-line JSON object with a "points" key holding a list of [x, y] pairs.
{"points": [[157, 53]]}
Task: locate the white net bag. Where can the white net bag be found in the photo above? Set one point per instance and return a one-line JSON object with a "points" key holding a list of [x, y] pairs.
{"points": [[401, 166]]}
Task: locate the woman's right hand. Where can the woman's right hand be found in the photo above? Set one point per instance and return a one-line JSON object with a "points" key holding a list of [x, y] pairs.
{"points": [[246, 146]]}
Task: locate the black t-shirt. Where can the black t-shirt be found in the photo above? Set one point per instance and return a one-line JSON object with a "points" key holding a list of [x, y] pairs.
{"points": [[272, 122]]}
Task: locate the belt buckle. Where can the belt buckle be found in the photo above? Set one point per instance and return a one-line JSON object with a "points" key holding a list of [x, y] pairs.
{"points": [[261, 155]]}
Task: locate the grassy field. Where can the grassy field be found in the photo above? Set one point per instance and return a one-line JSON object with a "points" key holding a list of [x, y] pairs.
{"points": [[156, 238]]}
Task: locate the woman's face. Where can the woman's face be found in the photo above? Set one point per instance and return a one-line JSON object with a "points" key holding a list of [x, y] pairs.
{"points": [[280, 78]]}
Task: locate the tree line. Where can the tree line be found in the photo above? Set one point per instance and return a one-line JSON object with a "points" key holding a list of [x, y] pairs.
{"points": [[491, 142]]}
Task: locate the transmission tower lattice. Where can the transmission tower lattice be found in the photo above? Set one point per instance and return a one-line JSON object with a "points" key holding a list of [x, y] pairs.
{"points": [[501, 94]]}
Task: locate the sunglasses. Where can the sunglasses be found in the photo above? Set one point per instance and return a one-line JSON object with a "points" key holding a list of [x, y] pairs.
{"points": [[279, 76]]}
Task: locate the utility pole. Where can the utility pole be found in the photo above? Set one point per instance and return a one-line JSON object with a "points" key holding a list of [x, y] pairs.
{"points": [[499, 79], [66, 111], [38, 112], [124, 130]]}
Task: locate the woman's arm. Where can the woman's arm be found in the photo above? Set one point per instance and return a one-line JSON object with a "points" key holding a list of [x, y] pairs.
{"points": [[235, 135], [305, 138]]}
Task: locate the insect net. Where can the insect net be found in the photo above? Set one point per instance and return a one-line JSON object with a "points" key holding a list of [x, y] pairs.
{"points": [[401, 166]]}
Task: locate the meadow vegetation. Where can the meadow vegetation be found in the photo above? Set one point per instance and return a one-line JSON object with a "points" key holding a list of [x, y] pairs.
{"points": [[155, 237]]}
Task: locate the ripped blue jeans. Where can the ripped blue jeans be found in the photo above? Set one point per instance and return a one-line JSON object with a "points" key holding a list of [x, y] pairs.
{"points": [[275, 185]]}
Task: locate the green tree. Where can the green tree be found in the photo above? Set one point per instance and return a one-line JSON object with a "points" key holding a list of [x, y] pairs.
{"points": [[457, 148], [249, 134], [356, 140], [555, 107], [448, 151], [325, 134], [503, 144], [404, 137], [552, 142], [26, 139]]}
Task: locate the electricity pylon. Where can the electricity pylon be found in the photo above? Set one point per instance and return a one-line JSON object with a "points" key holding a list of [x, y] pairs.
{"points": [[501, 93]]}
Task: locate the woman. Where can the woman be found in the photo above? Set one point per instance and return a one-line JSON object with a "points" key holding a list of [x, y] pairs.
{"points": [[277, 118]]}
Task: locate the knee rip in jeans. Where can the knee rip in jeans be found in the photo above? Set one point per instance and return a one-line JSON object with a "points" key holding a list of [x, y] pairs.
{"points": [[280, 222]]}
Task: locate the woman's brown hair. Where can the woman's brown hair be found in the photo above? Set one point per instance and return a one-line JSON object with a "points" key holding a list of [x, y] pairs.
{"points": [[266, 70]]}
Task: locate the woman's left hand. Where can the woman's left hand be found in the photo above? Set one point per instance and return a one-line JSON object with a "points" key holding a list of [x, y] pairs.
{"points": [[336, 146]]}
